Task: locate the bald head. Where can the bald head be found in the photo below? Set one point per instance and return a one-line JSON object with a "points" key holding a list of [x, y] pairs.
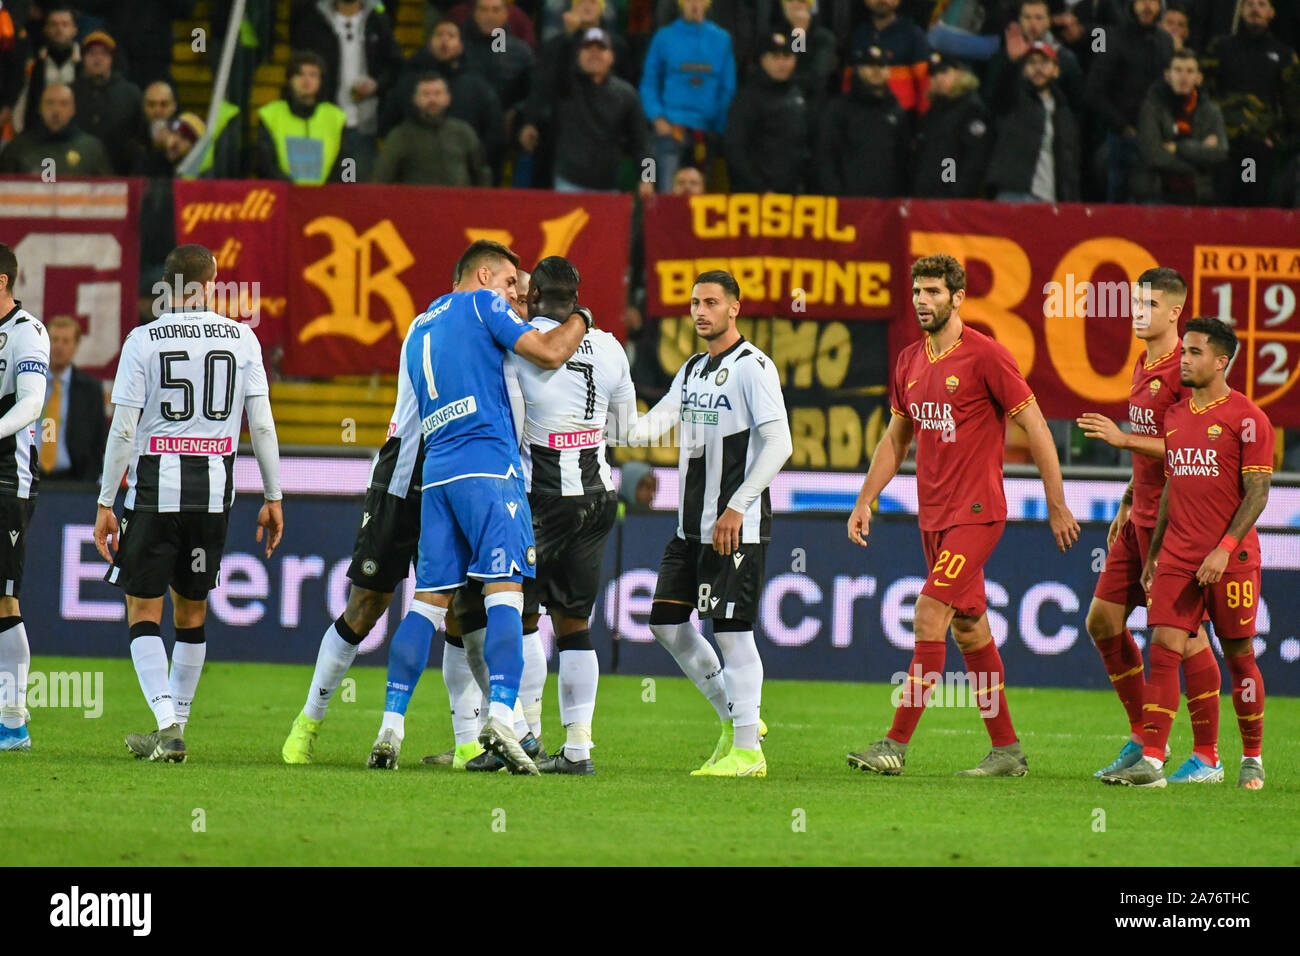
{"points": [[159, 101], [57, 106]]}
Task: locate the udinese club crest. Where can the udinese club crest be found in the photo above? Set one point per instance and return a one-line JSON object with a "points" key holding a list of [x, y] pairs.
{"points": [[721, 377]]}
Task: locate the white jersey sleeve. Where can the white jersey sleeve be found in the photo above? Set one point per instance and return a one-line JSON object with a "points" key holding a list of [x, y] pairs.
{"points": [[131, 385]]}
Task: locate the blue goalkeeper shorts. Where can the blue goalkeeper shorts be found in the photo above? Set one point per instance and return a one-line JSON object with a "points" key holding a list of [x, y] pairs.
{"points": [[478, 527]]}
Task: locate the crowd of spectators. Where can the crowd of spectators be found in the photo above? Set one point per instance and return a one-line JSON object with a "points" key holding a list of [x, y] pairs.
{"points": [[1161, 101]]}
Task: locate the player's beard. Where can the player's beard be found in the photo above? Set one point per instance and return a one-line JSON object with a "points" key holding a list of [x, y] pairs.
{"points": [[939, 319], [716, 333]]}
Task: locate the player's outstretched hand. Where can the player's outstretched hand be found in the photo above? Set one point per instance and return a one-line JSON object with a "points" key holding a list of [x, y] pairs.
{"points": [[106, 533], [1064, 528], [1099, 426], [860, 524], [1212, 568], [726, 531], [271, 518]]}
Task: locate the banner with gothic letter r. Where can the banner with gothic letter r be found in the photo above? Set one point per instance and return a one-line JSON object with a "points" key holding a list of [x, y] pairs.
{"points": [[365, 260]]}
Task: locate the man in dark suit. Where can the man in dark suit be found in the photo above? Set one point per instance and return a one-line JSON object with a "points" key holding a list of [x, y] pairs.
{"points": [[74, 428]]}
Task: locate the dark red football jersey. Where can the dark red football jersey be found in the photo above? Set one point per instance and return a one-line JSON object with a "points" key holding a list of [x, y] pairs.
{"points": [[1156, 387], [958, 402], [1207, 450]]}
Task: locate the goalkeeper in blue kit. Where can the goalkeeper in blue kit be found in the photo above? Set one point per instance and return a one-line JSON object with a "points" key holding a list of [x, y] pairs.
{"points": [[475, 521]]}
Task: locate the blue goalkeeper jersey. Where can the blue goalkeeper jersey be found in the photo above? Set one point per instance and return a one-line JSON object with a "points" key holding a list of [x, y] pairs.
{"points": [[454, 358]]}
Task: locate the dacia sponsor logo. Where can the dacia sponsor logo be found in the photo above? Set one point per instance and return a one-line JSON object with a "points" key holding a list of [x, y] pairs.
{"points": [[697, 416], [457, 409], [705, 400]]}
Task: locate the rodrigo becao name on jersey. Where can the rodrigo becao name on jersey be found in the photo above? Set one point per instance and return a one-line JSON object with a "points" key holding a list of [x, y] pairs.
{"points": [[189, 373], [400, 461], [723, 401], [24, 347], [565, 414]]}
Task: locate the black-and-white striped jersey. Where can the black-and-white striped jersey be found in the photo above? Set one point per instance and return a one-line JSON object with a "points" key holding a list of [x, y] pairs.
{"points": [[567, 411], [189, 373], [24, 347], [398, 466], [723, 400]]}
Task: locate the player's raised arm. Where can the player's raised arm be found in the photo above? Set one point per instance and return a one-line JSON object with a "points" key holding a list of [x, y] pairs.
{"points": [[1096, 425], [1043, 449], [889, 457], [552, 349]]}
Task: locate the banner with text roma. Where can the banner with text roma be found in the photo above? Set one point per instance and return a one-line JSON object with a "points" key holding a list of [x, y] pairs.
{"points": [[365, 260], [78, 251], [1052, 283], [799, 257], [245, 224]]}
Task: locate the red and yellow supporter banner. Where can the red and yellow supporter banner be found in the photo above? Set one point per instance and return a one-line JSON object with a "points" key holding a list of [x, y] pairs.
{"points": [[1052, 284], [245, 224], [78, 251], [799, 257], [363, 261]]}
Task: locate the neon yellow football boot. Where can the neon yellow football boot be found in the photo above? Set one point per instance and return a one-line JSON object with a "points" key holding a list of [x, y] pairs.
{"points": [[465, 753], [737, 763], [298, 745]]}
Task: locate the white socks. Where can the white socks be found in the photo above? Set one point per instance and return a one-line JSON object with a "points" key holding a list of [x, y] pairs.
{"points": [[15, 663], [533, 681], [150, 659], [578, 675], [187, 665], [394, 722], [463, 693], [744, 678], [332, 662], [696, 658]]}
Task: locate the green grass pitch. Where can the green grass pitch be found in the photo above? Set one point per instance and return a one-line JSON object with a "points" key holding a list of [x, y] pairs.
{"points": [[79, 798]]}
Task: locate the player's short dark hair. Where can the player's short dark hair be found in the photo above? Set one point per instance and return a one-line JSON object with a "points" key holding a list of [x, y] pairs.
{"points": [[1020, 7], [482, 252], [1220, 334], [8, 267], [940, 267], [1184, 54], [555, 278], [722, 278], [300, 58], [189, 264], [430, 76], [1163, 279]]}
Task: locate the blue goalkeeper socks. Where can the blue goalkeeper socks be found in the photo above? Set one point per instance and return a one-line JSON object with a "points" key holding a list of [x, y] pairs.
{"points": [[504, 647], [408, 655]]}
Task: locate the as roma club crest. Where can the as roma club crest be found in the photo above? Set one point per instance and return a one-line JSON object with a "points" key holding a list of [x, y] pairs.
{"points": [[1154, 386], [1214, 431], [951, 383]]}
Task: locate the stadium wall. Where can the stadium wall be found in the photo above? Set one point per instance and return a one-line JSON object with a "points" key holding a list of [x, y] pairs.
{"points": [[830, 610]]}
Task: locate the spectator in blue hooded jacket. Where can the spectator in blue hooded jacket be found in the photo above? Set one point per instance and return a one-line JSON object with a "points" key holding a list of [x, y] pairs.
{"points": [[687, 85]]}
